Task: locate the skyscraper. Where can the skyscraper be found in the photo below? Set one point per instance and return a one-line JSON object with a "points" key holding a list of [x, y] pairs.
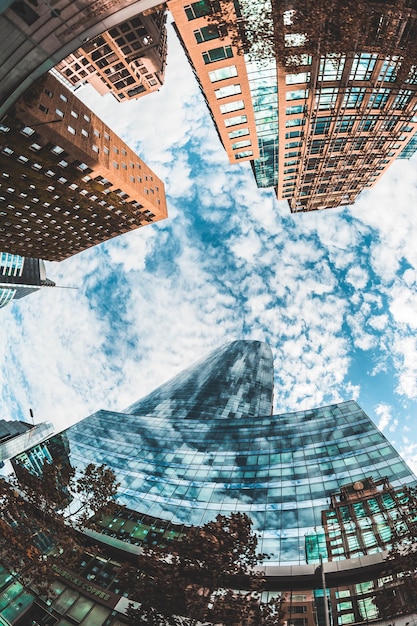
{"points": [[127, 61], [20, 276], [16, 437], [67, 181], [207, 442], [319, 130], [35, 36]]}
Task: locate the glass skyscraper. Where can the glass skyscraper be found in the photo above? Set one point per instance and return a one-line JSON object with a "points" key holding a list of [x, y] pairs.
{"points": [[206, 442]]}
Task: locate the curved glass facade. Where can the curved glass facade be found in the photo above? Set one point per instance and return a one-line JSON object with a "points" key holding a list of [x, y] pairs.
{"points": [[206, 443]]}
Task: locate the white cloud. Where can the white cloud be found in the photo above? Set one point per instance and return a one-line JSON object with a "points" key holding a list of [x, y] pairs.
{"points": [[384, 412]]}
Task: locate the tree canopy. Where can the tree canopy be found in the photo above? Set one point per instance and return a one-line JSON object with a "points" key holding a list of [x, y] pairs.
{"points": [[195, 579]]}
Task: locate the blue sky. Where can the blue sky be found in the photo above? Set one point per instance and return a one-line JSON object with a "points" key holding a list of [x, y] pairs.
{"points": [[334, 292]]}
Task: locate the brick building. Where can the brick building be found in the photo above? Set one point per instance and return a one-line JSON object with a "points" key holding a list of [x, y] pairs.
{"points": [[127, 61], [319, 132], [67, 181]]}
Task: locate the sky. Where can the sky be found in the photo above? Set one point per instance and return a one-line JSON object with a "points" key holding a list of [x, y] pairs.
{"points": [[334, 292]]}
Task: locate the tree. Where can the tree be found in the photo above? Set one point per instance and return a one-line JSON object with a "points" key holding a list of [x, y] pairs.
{"points": [[399, 596], [195, 578], [288, 30], [35, 531]]}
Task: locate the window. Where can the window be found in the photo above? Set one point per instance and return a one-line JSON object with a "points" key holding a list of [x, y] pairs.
{"points": [[71, 130], [294, 79], [368, 123], [96, 133], [206, 33], [241, 132], [59, 113], [353, 97], [224, 72], [36, 147], [331, 67], [234, 121], [86, 117], [84, 132], [326, 98], [74, 114], [297, 94], [345, 124], [57, 150], [296, 108], [389, 70], [244, 154], [232, 106], [64, 98], [43, 108], [379, 98], [322, 125], [200, 9], [362, 66], [402, 99], [296, 122], [241, 144], [217, 54], [27, 131], [230, 90]]}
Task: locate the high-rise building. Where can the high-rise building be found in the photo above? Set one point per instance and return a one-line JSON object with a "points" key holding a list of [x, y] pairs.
{"points": [[35, 36], [321, 485], [127, 61], [19, 277], [319, 131], [67, 181], [16, 437]]}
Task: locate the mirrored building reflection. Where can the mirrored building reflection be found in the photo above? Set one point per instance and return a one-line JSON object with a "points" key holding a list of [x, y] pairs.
{"points": [[206, 442]]}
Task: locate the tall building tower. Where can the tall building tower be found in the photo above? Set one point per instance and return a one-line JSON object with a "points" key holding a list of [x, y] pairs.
{"points": [[319, 130], [35, 36], [127, 61], [16, 437], [321, 485], [67, 181], [19, 277]]}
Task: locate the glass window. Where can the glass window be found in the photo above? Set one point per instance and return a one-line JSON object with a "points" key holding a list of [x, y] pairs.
{"points": [[362, 66], [326, 98], [217, 54], [322, 125], [389, 69], [294, 79], [296, 108], [229, 90], [234, 121], [297, 94], [241, 132], [244, 154], [353, 97], [241, 144], [199, 9], [206, 33], [331, 67], [222, 73], [232, 106], [377, 99], [296, 122]]}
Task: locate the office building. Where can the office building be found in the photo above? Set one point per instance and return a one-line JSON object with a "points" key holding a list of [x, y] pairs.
{"points": [[19, 277], [67, 181], [127, 61], [321, 485], [17, 436], [35, 36], [319, 132]]}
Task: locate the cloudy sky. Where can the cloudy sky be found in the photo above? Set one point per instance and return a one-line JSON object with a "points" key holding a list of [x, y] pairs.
{"points": [[334, 292]]}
